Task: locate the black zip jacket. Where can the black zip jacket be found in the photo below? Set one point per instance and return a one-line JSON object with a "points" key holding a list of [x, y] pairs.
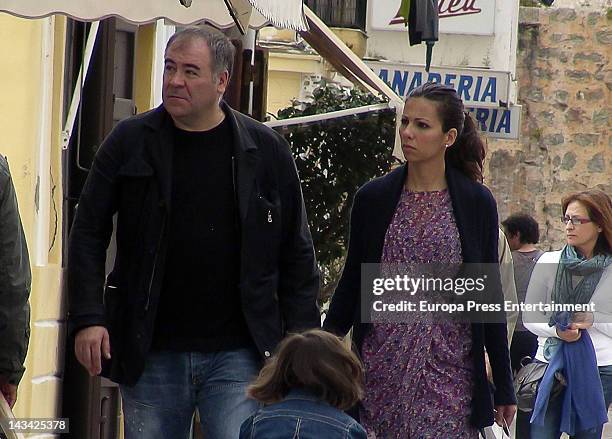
{"points": [[131, 176]]}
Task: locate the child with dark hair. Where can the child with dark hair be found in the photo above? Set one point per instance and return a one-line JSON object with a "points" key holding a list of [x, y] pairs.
{"points": [[304, 388]]}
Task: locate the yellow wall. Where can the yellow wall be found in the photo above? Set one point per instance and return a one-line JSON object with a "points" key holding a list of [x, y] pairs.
{"points": [[20, 46], [286, 69], [282, 88], [285, 73], [145, 46], [355, 39], [20, 118]]}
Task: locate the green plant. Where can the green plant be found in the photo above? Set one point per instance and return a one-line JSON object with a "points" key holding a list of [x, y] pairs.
{"points": [[334, 158]]}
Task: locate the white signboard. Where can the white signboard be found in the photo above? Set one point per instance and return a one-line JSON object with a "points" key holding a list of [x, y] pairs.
{"points": [[468, 17], [477, 87], [499, 123]]}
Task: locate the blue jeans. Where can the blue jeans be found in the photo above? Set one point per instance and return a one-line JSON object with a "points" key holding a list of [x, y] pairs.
{"points": [[162, 403], [552, 420]]}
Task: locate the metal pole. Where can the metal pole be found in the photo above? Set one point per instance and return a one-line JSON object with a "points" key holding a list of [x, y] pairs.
{"points": [[249, 44], [43, 159]]}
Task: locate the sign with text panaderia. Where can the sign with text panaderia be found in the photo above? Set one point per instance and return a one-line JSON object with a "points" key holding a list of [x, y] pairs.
{"points": [[498, 123], [477, 87], [484, 92], [468, 17]]}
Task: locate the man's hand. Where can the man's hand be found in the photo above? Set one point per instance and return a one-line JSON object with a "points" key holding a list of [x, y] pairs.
{"points": [[89, 346], [570, 335], [8, 391], [504, 414]]}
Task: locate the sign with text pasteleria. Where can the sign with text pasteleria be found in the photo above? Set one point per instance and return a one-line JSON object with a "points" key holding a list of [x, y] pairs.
{"points": [[468, 17]]}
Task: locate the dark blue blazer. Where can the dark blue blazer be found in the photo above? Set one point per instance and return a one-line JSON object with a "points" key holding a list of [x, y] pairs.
{"points": [[475, 213]]}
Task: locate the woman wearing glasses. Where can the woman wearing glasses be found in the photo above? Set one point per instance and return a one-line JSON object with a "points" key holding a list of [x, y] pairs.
{"points": [[575, 340]]}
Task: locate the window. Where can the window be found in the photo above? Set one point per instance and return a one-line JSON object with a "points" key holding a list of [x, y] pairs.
{"points": [[340, 13]]}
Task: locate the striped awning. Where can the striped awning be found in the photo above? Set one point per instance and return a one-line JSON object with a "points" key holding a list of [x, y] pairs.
{"points": [[287, 14]]}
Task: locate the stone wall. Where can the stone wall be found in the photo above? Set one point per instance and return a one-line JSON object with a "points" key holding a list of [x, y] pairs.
{"points": [[565, 80]]}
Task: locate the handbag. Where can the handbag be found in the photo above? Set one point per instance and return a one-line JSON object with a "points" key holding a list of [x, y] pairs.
{"points": [[495, 432], [527, 381]]}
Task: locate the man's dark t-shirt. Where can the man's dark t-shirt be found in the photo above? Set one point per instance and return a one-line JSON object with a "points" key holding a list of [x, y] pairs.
{"points": [[200, 308]]}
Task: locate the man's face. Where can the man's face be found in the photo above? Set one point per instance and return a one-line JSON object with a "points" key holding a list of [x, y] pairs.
{"points": [[191, 90]]}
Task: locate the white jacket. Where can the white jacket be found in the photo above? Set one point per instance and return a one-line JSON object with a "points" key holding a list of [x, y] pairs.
{"points": [[539, 291]]}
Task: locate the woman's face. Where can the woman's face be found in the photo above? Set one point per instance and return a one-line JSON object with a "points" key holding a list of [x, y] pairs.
{"points": [[421, 132], [582, 236]]}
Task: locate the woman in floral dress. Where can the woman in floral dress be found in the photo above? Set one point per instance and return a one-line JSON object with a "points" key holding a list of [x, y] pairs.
{"points": [[425, 377]]}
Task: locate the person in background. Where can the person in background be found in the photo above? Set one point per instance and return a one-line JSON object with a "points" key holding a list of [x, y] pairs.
{"points": [[15, 283], [576, 343], [523, 234], [427, 378], [304, 388]]}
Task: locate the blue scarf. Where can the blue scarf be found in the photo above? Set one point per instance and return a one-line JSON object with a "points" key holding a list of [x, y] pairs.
{"points": [[583, 400]]}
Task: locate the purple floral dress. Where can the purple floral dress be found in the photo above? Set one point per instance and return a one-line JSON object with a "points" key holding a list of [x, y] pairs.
{"points": [[419, 374]]}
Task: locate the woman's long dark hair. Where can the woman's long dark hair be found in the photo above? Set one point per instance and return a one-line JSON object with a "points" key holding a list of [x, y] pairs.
{"points": [[468, 152]]}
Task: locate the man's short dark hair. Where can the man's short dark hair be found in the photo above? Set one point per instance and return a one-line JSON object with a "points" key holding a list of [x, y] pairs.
{"points": [[525, 224], [221, 48]]}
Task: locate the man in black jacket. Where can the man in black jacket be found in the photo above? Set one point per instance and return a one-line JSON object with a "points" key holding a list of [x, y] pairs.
{"points": [[15, 282], [214, 261]]}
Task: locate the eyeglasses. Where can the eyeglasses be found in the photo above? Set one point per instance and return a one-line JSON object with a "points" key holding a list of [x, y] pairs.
{"points": [[574, 220]]}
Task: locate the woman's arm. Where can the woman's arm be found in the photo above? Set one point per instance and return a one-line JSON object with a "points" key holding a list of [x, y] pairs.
{"points": [[495, 340]]}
